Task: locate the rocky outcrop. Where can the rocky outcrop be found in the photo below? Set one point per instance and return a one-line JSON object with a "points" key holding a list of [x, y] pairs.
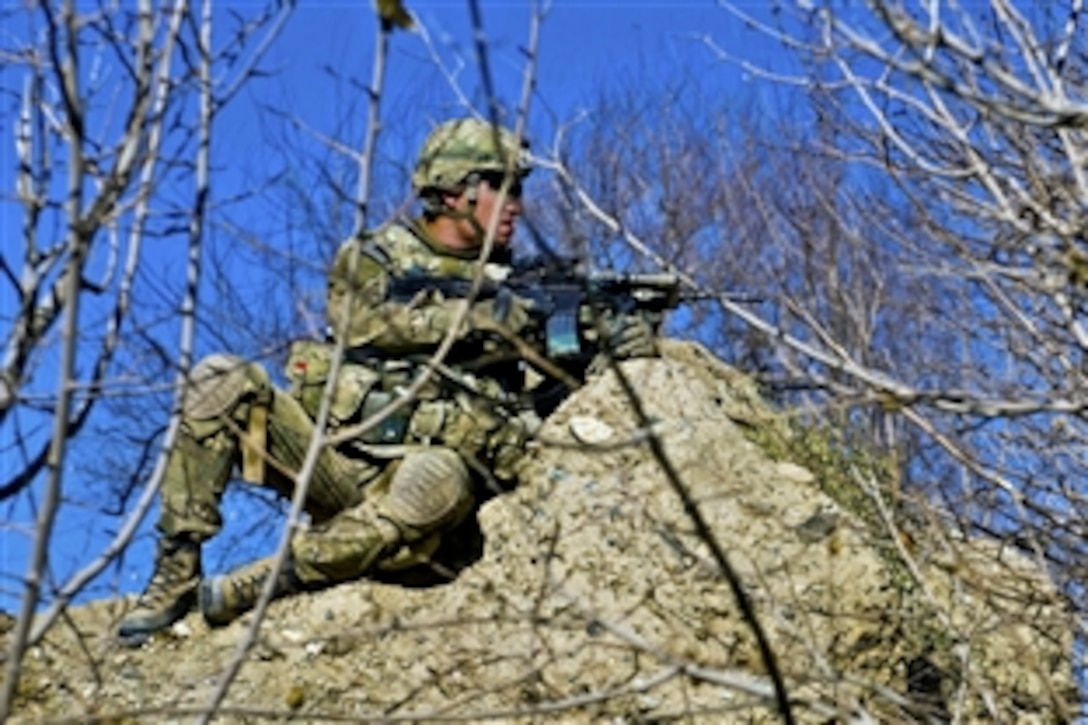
{"points": [[590, 594]]}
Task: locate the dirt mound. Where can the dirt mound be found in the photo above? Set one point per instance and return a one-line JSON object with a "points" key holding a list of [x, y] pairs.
{"points": [[589, 594]]}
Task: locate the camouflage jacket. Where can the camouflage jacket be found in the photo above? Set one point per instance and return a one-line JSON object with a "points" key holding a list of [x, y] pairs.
{"points": [[358, 301], [381, 332]]}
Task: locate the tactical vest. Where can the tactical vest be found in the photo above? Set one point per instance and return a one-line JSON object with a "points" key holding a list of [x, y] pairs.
{"points": [[467, 404]]}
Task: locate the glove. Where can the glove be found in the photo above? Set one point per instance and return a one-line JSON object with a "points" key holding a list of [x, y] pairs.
{"points": [[505, 311], [630, 336]]}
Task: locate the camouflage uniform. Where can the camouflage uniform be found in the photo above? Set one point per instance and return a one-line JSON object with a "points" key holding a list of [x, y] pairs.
{"points": [[395, 339], [380, 498]]}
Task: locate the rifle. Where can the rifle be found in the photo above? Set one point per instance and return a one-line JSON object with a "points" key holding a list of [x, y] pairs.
{"points": [[558, 291]]}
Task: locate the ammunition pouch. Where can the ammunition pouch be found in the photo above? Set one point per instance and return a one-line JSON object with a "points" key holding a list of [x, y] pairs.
{"points": [[307, 370], [470, 427], [506, 447], [360, 391], [393, 427], [445, 413], [429, 420]]}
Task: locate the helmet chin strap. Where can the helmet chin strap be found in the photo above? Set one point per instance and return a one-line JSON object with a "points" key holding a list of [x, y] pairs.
{"points": [[481, 233]]}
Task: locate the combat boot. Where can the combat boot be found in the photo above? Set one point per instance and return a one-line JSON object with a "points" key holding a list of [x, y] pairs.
{"points": [[170, 594], [226, 597]]}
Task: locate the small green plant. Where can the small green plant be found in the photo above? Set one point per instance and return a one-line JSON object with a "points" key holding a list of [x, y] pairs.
{"points": [[836, 461]]}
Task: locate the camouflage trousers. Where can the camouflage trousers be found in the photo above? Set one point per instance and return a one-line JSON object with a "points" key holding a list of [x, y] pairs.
{"points": [[365, 512]]}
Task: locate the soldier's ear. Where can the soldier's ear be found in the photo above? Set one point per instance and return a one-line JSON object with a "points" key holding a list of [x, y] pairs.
{"points": [[452, 199]]}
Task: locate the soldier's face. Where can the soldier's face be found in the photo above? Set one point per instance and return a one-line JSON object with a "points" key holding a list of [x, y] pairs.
{"points": [[488, 205]]}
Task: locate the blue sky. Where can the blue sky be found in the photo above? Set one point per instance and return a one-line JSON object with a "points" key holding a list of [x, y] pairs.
{"points": [[584, 45]]}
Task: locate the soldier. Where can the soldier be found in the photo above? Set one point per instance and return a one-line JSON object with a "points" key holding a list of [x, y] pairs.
{"points": [[383, 497]]}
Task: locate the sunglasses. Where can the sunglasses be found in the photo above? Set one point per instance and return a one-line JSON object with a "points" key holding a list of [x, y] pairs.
{"points": [[494, 180]]}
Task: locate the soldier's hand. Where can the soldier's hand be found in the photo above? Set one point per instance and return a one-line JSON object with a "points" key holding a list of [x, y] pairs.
{"points": [[630, 336]]}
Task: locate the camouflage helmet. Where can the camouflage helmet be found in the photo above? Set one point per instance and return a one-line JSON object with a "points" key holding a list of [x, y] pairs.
{"points": [[457, 148]]}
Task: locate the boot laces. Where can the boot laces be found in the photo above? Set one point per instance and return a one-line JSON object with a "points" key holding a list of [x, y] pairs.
{"points": [[247, 586], [171, 572]]}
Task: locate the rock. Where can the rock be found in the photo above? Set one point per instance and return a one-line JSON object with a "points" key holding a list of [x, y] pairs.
{"points": [[597, 598]]}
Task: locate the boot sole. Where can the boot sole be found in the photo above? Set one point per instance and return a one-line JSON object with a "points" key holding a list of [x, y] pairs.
{"points": [[134, 631]]}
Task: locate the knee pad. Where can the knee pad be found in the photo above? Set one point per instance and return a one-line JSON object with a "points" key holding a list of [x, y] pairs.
{"points": [[430, 491], [217, 386]]}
